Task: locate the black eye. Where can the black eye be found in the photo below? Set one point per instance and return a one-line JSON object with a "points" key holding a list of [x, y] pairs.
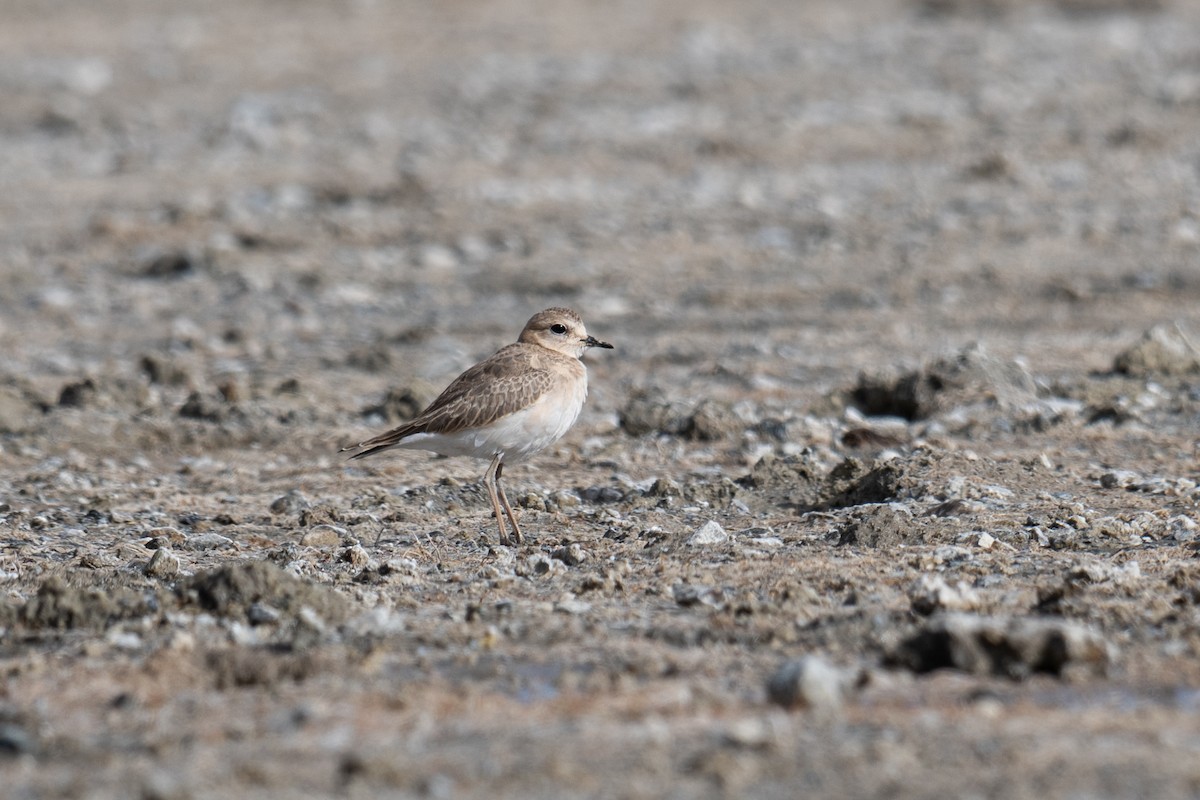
{"points": [[558, 328]]}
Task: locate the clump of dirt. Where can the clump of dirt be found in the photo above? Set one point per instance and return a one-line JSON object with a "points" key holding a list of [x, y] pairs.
{"points": [[1007, 647], [231, 591], [970, 376], [1163, 350], [259, 666], [61, 606], [880, 527], [650, 412], [400, 404], [803, 484]]}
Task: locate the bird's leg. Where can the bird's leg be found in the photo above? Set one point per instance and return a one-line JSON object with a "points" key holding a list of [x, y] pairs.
{"points": [[491, 480], [507, 508]]}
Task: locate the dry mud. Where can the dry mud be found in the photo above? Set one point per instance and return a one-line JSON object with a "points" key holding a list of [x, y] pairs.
{"points": [[888, 490]]}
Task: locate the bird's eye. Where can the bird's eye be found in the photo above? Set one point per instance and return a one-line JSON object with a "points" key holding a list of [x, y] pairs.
{"points": [[558, 328]]}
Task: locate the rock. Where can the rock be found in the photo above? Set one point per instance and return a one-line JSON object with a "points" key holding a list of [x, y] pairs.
{"points": [[1009, 647], [291, 503], [572, 555], [17, 414], [321, 513], [162, 565], [711, 421], [572, 606], [77, 393], [402, 403], [203, 407], [262, 614], [160, 537], [356, 556], [565, 499], [969, 376], [208, 541], [532, 501], [536, 565], [880, 527], [649, 412], [932, 594], [60, 606], [159, 369], [707, 535], [808, 683], [664, 487], [229, 591], [1163, 350], [1120, 479], [603, 494], [173, 264], [15, 740], [690, 594], [322, 536]]}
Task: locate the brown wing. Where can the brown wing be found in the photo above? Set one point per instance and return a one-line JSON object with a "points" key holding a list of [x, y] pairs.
{"points": [[504, 383]]}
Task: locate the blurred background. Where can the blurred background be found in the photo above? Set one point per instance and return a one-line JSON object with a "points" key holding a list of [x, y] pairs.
{"points": [[299, 204]]}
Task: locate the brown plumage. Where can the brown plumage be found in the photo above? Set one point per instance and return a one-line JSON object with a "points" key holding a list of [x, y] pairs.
{"points": [[513, 404]]}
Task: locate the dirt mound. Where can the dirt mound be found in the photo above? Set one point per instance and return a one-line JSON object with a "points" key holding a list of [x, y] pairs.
{"points": [[234, 591]]}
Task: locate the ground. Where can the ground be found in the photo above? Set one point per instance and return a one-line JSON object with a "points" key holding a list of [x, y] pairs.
{"points": [[889, 488]]}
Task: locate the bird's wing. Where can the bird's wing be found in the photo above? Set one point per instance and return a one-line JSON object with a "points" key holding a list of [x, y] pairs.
{"points": [[491, 389]]}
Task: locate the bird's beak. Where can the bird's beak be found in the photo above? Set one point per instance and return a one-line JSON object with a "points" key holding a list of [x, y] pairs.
{"points": [[592, 341]]}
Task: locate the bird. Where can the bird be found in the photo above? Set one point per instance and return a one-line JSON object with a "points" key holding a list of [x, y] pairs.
{"points": [[507, 407]]}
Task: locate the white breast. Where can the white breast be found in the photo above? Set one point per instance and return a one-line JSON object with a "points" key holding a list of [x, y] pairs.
{"points": [[518, 435]]}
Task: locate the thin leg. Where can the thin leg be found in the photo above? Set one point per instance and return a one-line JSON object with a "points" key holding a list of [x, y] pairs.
{"points": [[518, 537], [490, 480]]}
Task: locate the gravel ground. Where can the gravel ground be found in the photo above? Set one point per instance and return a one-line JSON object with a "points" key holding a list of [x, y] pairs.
{"points": [[889, 488]]}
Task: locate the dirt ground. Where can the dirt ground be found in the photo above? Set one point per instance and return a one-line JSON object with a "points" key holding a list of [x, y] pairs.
{"points": [[889, 488]]}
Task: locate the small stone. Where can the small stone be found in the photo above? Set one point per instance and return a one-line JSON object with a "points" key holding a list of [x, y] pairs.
{"points": [[77, 393], [532, 501], [572, 606], [752, 733], [208, 541], [17, 414], [808, 683], [712, 421], [932, 594], [536, 565], [1120, 478], [565, 499], [168, 265], [310, 629], [689, 594], [163, 564], [356, 556], [572, 555], [664, 487], [437, 257], [1009, 647], [602, 494], [986, 541], [166, 535], [707, 535], [322, 536], [291, 503], [15, 740], [1163, 350], [262, 614], [202, 407]]}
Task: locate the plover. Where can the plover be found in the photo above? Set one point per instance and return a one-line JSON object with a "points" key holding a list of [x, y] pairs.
{"points": [[507, 407]]}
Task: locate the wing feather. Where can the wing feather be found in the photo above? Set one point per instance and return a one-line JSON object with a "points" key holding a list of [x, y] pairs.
{"points": [[508, 381]]}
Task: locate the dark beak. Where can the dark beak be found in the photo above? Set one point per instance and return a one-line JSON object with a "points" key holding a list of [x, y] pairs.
{"points": [[592, 341]]}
